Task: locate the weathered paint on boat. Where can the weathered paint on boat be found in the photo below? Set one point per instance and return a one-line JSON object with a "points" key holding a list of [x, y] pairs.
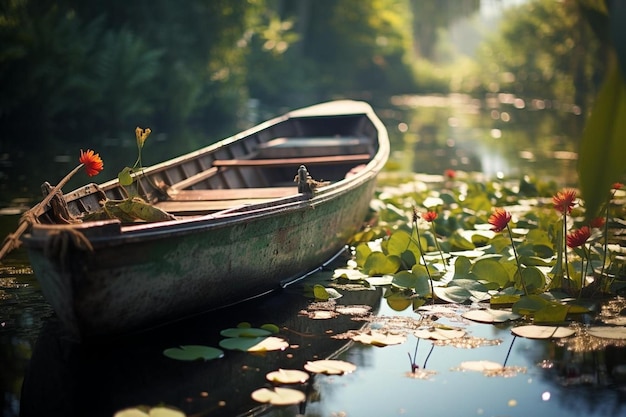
{"points": [[142, 275]]}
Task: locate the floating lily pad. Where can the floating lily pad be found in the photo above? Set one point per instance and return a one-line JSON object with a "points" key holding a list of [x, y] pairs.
{"points": [[278, 396], [149, 412], [379, 339], [254, 344], [480, 366], [542, 332], [322, 314], [193, 353], [382, 280], [608, 332], [437, 333], [330, 367], [490, 315], [287, 376], [245, 332]]}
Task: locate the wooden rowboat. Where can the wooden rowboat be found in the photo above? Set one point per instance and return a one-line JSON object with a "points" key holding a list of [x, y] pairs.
{"points": [[239, 227]]}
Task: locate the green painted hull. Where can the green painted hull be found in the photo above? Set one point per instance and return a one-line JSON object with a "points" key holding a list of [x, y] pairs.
{"points": [[144, 275]]}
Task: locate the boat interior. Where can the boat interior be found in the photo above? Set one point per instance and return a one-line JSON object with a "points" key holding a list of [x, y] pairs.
{"points": [[255, 168]]}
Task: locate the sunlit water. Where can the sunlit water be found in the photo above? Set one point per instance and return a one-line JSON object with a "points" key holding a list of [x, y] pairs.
{"points": [[499, 137]]}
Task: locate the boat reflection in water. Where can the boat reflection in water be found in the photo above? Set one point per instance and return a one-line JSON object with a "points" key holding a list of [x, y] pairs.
{"points": [[70, 379]]}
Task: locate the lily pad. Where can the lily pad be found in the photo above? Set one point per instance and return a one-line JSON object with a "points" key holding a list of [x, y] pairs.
{"points": [[379, 339], [193, 353], [287, 376], [330, 367], [245, 332], [490, 316], [532, 331], [152, 412], [254, 344], [278, 396], [437, 333], [608, 332], [480, 366]]}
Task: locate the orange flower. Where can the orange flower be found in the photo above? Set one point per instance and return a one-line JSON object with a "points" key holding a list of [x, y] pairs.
{"points": [[499, 219], [429, 216], [92, 162], [578, 237], [564, 200]]}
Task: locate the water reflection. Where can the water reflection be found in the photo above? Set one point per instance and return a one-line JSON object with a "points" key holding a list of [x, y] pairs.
{"points": [[497, 136]]}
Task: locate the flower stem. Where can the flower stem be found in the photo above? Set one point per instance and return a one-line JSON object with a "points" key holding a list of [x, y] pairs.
{"points": [[564, 246], [519, 267], [445, 268], [419, 244]]}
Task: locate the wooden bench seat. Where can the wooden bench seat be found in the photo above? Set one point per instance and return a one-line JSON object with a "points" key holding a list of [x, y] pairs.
{"points": [[312, 160], [197, 202], [291, 147]]}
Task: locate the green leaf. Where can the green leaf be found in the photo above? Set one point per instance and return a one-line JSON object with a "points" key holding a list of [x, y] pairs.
{"points": [[551, 313], [533, 278], [124, 176], [320, 293], [490, 270], [362, 252], [528, 305], [462, 267], [245, 332], [401, 241], [404, 279], [193, 353], [380, 264], [603, 145]]}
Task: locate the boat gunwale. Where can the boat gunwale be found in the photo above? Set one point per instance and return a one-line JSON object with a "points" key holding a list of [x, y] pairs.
{"points": [[122, 234]]}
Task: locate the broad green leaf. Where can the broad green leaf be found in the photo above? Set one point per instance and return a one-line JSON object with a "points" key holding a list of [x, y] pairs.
{"points": [[401, 241], [603, 144], [193, 353], [380, 264], [124, 177], [398, 301], [453, 294], [245, 332], [534, 279], [254, 344], [362, 252], [552, 313], [404, 279], [462, 267], [529, 304], [489, 269], [458, 242]]}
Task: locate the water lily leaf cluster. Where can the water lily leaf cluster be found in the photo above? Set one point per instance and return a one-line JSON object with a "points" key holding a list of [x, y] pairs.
{"points": [[434, 242]]}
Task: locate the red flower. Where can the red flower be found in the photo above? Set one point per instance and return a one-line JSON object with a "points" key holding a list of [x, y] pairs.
{"points": [[617, 186], [449, 173], [598, 222], [564, 200], [578, 237], [92, 162], [429, 216], [499, 219]]}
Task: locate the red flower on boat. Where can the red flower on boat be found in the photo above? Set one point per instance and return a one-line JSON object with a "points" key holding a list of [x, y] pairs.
{"points": [[578, 237], [92, 162], [499, 219], [564, 200], [429, 216]]}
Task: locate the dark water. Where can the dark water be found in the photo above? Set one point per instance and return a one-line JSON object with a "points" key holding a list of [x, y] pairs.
{"points": [[43, 373]]}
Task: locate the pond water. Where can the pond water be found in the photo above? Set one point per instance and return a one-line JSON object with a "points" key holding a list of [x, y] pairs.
{"points": [[42, 373]]}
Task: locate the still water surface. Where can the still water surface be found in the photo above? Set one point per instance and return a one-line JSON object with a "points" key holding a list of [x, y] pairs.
{"points": [[498, 136]]}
